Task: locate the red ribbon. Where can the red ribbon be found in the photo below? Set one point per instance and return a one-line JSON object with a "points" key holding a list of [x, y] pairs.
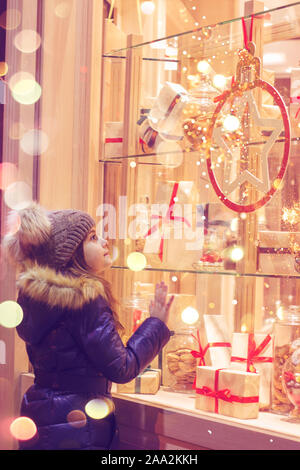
{"points": [[110, 140], [202, 351], [296, 99], [172, 105], [253, 354], [225, 93], [288, 376], [224, 394], [246, 39], [169, 216]]}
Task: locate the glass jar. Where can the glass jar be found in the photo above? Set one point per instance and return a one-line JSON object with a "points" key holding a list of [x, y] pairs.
{"points": [[286, 332], [179, 365], [136, 310]]}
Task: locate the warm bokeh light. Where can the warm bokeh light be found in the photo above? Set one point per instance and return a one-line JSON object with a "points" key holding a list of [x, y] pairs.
{"points": [[23, 428], [8, 174], [231, 123], [11, 314], [203, 66], [27, 41], [77, 418], [99, 408], [13, 222], [147, 7], [3, 69], [136, 261], [189, 315], [18, 195], [62, 10], [10, 19], [237, 253], [27, 92], [34, 142], [219, 81]]}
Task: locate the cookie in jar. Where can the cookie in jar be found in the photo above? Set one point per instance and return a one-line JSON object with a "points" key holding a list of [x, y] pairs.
{"points": [[291, 380], [179, 366], [286, 335]]}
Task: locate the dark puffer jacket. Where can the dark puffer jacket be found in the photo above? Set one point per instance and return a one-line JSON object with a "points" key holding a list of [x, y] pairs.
{"points": [[76, 353]]}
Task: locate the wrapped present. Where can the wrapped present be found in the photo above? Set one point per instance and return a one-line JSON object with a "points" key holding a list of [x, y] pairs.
{"points": [[113, 139], [147, 135], [166, 112], [275, 252], [171, 240], [253, 352], [213, 340], [227, 392], [147, 382]]}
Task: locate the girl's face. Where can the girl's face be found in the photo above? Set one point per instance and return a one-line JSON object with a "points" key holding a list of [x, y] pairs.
{"points": [[96, 254]]}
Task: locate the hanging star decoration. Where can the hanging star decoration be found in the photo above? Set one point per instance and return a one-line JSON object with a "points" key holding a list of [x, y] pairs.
{"points": [[232, 136], [262, 184]]}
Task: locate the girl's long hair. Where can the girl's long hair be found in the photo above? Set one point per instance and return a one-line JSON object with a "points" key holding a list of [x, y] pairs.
{"points": [[77, 267]]}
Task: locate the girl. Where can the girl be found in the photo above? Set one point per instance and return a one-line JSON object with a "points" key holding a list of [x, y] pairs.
{"points": [[71, 329]]}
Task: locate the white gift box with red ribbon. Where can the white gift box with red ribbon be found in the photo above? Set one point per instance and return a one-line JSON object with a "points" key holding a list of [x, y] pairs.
{"points": [[214, 343], [113, 139], [167, 110], [171, 241], [253, 352]]}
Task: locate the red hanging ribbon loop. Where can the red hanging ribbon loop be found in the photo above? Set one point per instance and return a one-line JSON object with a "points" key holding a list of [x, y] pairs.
{"points": [[245, 33], [169, 216], [296, 99]]}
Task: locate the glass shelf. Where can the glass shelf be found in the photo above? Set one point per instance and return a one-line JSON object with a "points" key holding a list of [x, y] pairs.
{"points": [[213, 272], [273, 13]]}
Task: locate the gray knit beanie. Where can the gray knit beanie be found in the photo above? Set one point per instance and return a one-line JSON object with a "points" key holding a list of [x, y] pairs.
{"points": [[49, 237]]}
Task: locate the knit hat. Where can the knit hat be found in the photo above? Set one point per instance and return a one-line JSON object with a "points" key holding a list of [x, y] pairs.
{"points": [[49, 237]]}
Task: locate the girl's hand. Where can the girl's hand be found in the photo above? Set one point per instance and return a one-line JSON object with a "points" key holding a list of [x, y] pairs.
{"points": [[159, 307]]}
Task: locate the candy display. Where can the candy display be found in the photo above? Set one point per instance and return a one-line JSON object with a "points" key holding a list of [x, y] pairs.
{"points": [[291, 379], [179, 365], [286, 332]]}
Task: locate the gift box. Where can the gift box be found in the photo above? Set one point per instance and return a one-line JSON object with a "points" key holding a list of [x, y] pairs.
{"points": [[274, 252], [171, 240], [148, 135], [166, 112], [214, 344], [227, 392], [254, 353], [113, 139], [147, 382]]}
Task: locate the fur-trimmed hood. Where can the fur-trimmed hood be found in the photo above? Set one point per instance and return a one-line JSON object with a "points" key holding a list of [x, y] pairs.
{"points": [[45, 295], [44, 284]]}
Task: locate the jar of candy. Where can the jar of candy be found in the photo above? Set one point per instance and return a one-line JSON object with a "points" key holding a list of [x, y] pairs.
{"points": [[136, 310], [291, 380], [179, 365], [286, 332]]}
